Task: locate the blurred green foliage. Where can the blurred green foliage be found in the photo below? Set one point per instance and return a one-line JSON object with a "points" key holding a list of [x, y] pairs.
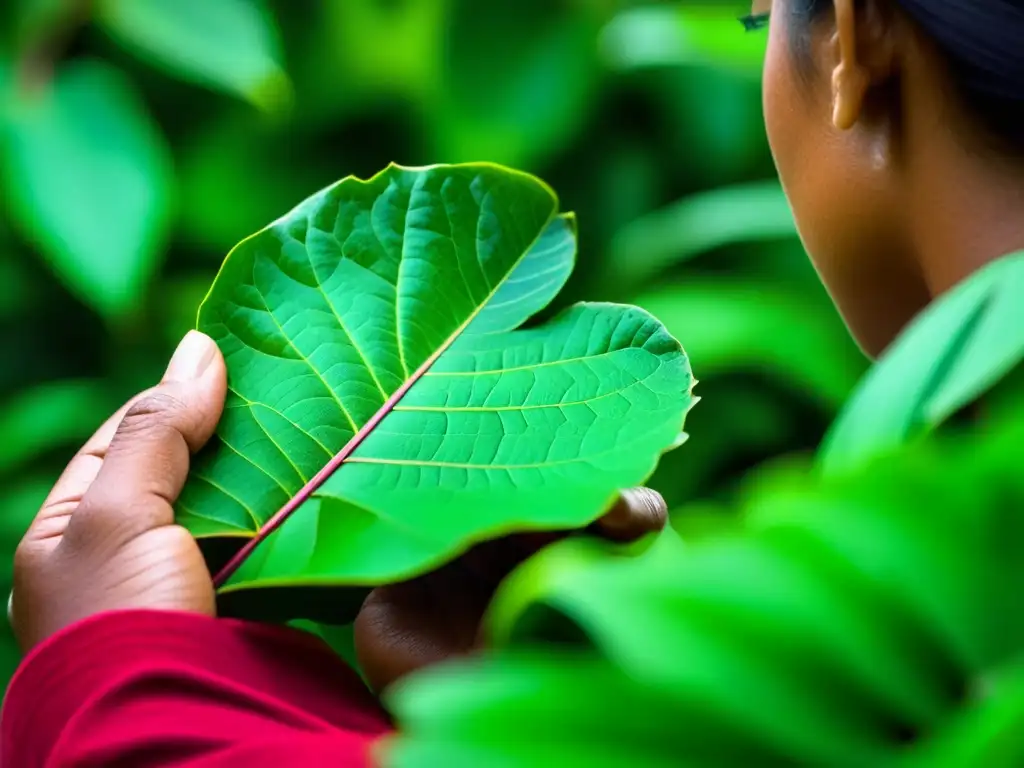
{"points": [[140, 140], [868, 620]]}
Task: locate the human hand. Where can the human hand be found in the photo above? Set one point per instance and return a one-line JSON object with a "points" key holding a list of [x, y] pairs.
{"points": [[105, 537], [404, 627]]}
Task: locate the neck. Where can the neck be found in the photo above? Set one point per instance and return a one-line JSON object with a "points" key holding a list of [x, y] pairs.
{"points": [[966, 212]]}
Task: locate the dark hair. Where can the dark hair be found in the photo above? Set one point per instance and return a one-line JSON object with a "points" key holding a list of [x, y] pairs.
{"points": [[983, 42]]}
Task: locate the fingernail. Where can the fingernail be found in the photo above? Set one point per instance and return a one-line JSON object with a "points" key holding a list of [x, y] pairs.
{"points": [[193, 356]]}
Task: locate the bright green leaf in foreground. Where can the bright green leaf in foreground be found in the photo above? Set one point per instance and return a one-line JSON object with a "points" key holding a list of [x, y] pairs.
{"points": [[230, 45], [950, 355], [372, 331], [865, 621], [88, 178]]}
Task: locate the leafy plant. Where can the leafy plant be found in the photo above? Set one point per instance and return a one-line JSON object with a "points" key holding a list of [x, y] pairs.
{"points": [[867, 620], [379, 389]]}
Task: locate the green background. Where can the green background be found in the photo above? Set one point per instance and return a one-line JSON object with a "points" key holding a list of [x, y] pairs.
{"points": [[141, 139]]}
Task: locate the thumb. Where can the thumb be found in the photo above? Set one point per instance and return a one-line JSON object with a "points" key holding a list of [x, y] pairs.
{"points": [[148, 459]]}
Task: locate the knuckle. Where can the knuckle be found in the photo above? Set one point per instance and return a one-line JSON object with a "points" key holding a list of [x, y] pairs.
{"points": [[153, 414]]}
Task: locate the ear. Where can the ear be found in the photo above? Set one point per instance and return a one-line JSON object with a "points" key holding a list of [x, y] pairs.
{"points": [[863, 52]]}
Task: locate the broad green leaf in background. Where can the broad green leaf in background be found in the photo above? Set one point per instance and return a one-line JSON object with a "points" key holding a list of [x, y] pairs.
{"points": [[776, 477], [88, 179], [230, 45], [713, 123], [681, 34], [518, 80], [374, 362], [57, 414], [695, 225], [561, 570], [958, 348], [731, 325]]}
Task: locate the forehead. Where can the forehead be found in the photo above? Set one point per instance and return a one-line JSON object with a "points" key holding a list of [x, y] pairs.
{"points": [[761, 6]]}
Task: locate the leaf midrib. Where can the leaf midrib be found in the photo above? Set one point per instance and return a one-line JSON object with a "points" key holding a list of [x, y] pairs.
{"points": [[361, 434]]}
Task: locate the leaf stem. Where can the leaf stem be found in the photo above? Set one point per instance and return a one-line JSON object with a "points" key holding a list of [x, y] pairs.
{"points": [[321, 477]]}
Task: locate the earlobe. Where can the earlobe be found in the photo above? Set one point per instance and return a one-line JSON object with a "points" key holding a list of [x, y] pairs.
{"points": [[862, 54], [849, 80], [849, 87]]}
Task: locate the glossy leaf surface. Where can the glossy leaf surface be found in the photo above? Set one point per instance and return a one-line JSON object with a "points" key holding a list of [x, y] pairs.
{"points": [[376, 368]]}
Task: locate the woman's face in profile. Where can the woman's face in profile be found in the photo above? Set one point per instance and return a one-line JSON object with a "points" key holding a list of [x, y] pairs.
{"points": [[840, 181]]}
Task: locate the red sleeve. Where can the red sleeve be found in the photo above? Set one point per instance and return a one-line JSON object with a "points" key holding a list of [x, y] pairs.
{"points": [[154, 689]]}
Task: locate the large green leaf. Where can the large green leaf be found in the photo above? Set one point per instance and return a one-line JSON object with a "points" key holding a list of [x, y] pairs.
{"points": [[376, 370], [958, 348], [89, 181]]}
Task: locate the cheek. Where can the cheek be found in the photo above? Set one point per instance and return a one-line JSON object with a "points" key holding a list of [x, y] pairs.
{"points": [[826, 188], [804, 151], [789, 127]]}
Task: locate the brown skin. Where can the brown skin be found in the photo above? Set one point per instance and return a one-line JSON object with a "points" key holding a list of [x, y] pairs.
{"points": [[105, 539], [895, 192]]}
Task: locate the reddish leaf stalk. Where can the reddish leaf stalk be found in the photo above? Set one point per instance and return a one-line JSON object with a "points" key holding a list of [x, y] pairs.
{"points": [[321, 477]]}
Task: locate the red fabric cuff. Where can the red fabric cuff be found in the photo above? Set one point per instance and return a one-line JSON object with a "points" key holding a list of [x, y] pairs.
{"points": [[279, 670]]}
